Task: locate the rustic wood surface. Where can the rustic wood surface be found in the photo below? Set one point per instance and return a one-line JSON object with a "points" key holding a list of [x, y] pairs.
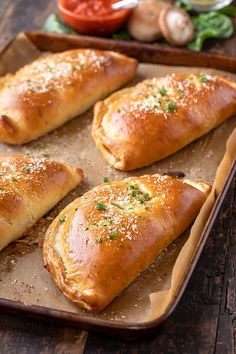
{"points": [[204, 321]]}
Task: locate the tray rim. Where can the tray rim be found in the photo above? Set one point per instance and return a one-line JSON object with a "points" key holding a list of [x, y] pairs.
{"points": [[150, 53], [128, 330]]}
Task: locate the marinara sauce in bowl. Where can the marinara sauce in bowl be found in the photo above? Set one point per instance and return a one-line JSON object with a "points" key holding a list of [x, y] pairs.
{"points": [[94, 17]]}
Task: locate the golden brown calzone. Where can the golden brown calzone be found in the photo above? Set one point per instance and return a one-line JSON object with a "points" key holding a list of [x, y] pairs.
{"points": [[52, 90], [137, 126], [102, 241], [29, 188]]}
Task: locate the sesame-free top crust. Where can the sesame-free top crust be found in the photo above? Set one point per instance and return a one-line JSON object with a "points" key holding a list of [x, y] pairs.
{"points": [[53, 89], [103, 240], [29, 188], [137, 126]]}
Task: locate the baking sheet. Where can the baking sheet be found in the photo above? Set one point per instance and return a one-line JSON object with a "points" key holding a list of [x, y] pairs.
{"points": [[22, 276]]}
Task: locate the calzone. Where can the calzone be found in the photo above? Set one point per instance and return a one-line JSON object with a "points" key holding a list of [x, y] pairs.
{"points": [[55, 88], [102, 241], [29, 188], [137, 126]]}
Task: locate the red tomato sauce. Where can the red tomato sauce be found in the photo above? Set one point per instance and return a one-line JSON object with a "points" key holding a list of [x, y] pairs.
{"points": [[91, 7]]}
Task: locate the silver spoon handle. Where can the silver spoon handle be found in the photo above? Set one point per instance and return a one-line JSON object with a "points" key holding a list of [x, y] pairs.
{"points": [[124, 4]]}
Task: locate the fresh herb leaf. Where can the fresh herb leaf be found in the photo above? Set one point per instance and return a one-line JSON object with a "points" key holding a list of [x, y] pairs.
{"points": [[53, 24], [113, 235], [203, 79], [105, 180], [133, 186], [99, 239], [62, 219], [141, 201], [163, 91], [1, 189], [14, 179], [171, 106], [101, 206], [134, 193], [210, 25], [228, 10]]}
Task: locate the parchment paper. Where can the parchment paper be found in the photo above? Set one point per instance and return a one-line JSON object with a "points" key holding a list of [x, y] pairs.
{"points": [[22, 276]]}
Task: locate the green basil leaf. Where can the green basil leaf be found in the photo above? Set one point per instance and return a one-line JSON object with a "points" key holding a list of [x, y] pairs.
{"points": [[210, 25], [53, 24], [228, 10]]}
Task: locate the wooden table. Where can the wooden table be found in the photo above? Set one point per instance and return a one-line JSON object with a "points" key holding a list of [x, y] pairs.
{"points": [[205, 319]]}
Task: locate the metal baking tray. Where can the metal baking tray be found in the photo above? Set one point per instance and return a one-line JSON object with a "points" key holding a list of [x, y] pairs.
{"points": [[63, 312]]}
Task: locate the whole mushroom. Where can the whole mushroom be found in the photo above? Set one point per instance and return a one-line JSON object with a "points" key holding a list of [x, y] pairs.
{"points": [[176, 25], [143, 23]]}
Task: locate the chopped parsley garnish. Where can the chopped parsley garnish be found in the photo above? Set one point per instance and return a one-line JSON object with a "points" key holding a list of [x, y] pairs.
{"points": [[14, 179], [133, 186], [145, 96], [101, 206], [203, 79], [110, 222], [141, 201], [105, 180], [62, 219], [113, 235], [134, 193], [141, 196], [1, 189], [171, 106], [162, 91]]}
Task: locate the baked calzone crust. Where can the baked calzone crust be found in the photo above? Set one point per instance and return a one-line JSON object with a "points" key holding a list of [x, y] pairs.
{"points": [[29, 188], [137, 126], [102, 241], [52, 90]]}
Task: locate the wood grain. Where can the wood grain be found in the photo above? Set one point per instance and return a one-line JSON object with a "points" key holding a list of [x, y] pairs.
{"points": [[204, 321]]}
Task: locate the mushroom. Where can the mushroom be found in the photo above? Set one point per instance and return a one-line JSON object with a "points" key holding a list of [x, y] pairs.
{"points": [[176, 25], [143, 23]]}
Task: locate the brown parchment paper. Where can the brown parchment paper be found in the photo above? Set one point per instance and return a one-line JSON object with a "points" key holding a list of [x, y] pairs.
{"points": [[22, 275]]}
